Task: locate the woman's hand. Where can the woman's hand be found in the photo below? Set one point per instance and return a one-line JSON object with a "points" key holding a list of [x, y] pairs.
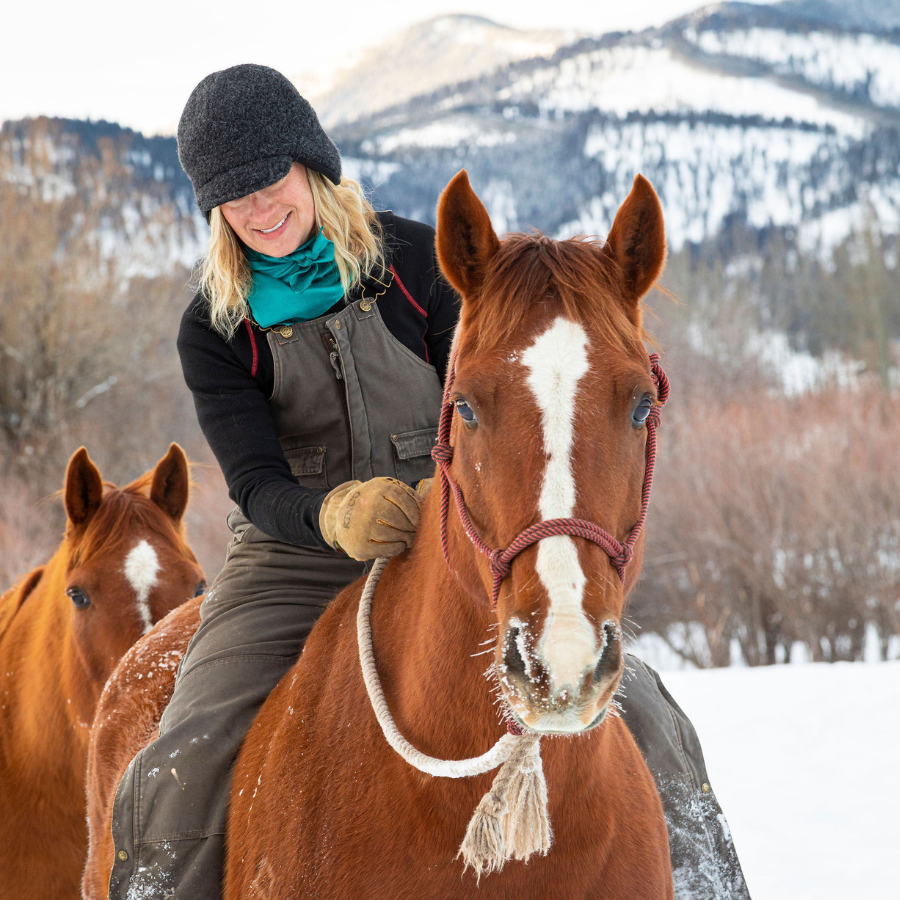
{"points": [[370, 519]]}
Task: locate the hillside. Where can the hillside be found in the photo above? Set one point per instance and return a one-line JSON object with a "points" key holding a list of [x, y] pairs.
{"points": [[737, 113], [773, 141], [756, 117], [115, 191], [421, 59]]}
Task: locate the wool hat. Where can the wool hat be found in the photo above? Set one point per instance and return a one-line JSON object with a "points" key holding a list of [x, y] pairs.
{"points": [[240, 131]]}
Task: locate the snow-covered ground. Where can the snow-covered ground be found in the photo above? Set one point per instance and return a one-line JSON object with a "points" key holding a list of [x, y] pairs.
{"points": [[804, 760]]}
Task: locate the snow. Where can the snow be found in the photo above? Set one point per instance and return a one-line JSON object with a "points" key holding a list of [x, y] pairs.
{"points": [[878, 211], [376, 171], [703, 172], [855, 63], [444, 133], [635, 78], [500, 199], [798, 371], [803, 759]]}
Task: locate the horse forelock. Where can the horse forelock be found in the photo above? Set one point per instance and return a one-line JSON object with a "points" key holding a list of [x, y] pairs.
{"points": [[575, 278], [121, 513]]}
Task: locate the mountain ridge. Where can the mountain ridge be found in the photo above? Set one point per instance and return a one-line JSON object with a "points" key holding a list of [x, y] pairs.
{"points": [[738, 113]]}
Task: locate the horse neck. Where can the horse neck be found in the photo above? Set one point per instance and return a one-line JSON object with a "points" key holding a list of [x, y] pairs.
{"points": [[430, 625], [48, 700]]}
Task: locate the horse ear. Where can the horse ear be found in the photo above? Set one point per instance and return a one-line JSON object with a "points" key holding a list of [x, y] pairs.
{"points": [[83, 490], [466, 241], [637, 242], [171, 483]]}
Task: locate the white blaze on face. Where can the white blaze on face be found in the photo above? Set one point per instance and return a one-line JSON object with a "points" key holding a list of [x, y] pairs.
{"points": [[141, 568], [556, 362]]}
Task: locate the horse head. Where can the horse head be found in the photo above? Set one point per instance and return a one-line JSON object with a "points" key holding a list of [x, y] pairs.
{"points": [[550, 401], [127, 562]]}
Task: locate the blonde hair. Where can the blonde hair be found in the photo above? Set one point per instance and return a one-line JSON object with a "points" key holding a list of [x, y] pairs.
{"points": [[346, 218]]}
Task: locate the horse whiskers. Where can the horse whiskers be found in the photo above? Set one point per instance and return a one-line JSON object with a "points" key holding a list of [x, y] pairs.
{"points": [[481, 652], [499, 701]]}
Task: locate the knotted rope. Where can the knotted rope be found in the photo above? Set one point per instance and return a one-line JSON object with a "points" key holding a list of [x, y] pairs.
{"points": [[511, 821]]}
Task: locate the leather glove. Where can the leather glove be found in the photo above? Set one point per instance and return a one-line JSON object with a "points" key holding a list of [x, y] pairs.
{"points": [[369, 519]]}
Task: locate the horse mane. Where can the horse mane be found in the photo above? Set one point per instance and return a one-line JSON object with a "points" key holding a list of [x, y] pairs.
{"points": [[576, 274], [122, 510]]}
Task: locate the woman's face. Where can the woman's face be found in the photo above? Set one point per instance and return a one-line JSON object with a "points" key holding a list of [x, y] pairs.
{"points": [[278, 219]]}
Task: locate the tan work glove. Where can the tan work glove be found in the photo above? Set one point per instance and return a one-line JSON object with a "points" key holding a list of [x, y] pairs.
{"points": [[369, 519]]}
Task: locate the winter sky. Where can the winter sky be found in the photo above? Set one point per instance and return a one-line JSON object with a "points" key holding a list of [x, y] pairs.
{"points": [[136, 63]]}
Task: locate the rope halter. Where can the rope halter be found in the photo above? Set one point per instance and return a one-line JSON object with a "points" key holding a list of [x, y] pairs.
{"points": [[500, 561]]}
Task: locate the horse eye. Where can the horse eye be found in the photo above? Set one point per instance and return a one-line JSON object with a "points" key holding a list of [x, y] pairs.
{"points": [[200, 589], [78, 597], [641, 411], [465, 410]]}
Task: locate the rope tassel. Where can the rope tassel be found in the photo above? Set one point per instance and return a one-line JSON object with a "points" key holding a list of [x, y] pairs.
{"points": [[527, 821], [511, 821]]}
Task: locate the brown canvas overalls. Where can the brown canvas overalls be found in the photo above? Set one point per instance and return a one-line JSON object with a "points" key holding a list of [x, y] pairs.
{"points": [[349, 402]]}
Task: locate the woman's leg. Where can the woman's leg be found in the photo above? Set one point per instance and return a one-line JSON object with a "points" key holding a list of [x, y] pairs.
{"points": [[704, 862], [170, 809]]}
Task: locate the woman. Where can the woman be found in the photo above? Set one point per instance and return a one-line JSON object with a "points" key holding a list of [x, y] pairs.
{"points": [[315, 352]]}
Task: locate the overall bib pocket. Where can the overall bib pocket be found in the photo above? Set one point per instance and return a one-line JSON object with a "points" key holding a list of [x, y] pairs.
{"points": [[412, 455]]}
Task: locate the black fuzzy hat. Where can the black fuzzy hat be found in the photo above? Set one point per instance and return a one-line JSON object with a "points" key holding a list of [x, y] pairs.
{"points": [[240, 131]]}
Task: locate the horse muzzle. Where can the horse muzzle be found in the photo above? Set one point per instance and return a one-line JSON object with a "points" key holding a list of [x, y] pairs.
{"points": [[543, 702]]}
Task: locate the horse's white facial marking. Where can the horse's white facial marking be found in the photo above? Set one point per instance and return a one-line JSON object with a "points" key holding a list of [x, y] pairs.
{"points": [[141, 569], [556, 362]]}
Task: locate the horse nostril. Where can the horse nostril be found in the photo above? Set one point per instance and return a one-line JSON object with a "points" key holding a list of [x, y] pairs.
{"points": [[610, 655], [512, 656]]}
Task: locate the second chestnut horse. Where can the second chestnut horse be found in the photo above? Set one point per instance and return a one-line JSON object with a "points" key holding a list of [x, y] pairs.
{"points": [[122, 566]]}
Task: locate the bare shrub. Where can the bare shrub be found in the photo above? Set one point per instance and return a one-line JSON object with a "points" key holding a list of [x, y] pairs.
{"points": [[773, 521], [29, 531], [87, 343]]}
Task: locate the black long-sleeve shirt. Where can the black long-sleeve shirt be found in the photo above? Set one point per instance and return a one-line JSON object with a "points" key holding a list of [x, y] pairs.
{"points": [[232, 381]]}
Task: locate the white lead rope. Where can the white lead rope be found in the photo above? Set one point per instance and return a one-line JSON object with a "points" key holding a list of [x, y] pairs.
{"points": [[511, 821]]}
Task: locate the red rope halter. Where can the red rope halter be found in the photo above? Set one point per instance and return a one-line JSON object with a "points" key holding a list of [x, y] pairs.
{"points": [[500, 561]]}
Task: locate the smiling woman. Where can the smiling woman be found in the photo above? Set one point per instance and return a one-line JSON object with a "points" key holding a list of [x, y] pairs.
{"points": [[317, 320], [287, 203]]}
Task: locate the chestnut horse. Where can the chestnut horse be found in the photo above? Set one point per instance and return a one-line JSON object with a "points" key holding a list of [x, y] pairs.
{"points": [[551, 392], [122, 565]]}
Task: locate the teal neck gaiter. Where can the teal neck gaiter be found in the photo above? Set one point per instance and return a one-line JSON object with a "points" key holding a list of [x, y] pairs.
{"points": [[303, 285]]}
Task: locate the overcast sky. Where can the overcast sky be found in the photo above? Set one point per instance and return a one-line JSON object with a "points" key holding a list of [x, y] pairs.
{"points": [[136, 63]]}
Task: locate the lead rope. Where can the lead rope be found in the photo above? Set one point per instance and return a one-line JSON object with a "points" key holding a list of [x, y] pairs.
{"points": [[511, 821]]}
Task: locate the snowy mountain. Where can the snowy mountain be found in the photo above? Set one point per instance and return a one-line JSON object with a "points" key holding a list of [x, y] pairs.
{"points": [[876, 15], [758, 117], [422, 59], [737, 113]]}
